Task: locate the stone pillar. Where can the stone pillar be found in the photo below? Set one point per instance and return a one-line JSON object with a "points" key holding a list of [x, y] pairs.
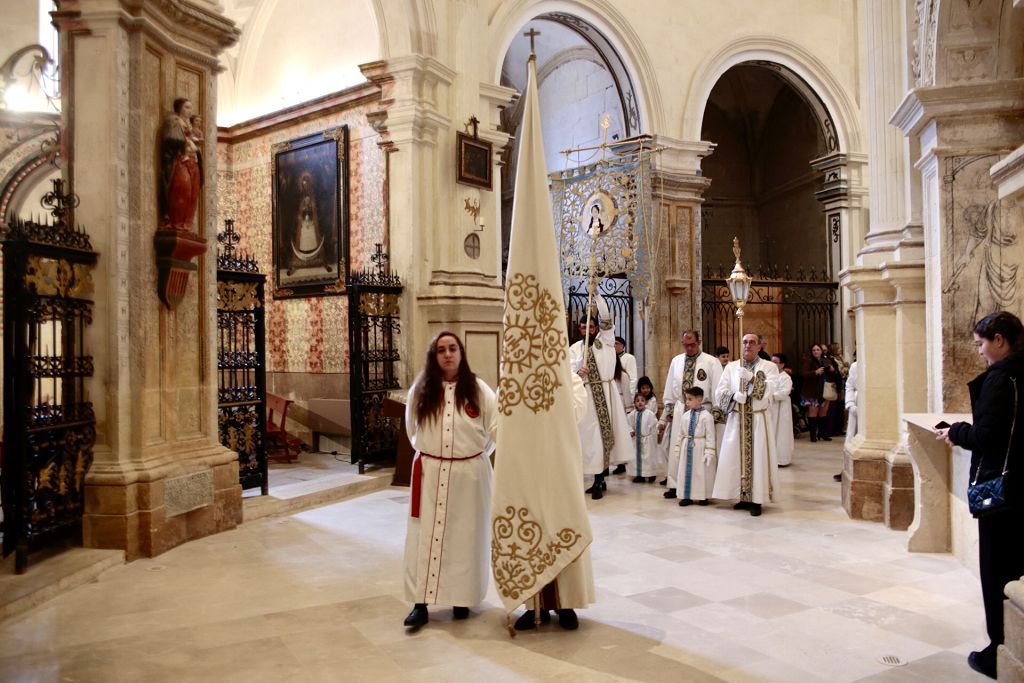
{"points": [[886, 284], [447, 286], [975, 254], [159, 477], [678, 193], [844, 199]]}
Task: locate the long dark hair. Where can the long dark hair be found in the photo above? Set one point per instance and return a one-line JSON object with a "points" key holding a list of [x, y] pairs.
{"points": [[429, 394], [1006, 324]]}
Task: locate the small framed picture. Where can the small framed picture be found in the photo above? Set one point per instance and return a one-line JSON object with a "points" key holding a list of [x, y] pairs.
{"points": [[473, 161]]}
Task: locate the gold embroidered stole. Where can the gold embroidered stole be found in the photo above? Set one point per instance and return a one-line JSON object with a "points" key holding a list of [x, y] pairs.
{"points": [[604, 418], [754, 390]]}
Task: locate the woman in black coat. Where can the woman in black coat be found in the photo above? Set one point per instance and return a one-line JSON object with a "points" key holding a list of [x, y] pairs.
{"points": [[995, 438], [817, 369]]}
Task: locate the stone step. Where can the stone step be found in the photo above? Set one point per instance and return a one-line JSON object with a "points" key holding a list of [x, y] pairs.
{"points": [[51, 572], [316, 492]]}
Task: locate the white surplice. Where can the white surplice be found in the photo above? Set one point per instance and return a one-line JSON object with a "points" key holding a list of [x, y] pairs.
{"points": [[751, 479], [447, 547], [782, 418], [646, 453], [704, 371], [852, 382], [697, 455], [589, 426]]}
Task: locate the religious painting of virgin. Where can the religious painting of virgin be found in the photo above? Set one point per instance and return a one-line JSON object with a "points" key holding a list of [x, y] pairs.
{"points": [[599, 213], [311, 215]]}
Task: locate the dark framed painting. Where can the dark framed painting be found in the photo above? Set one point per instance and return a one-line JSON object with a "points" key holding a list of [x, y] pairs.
{"points": [[311, 215], [472, 161]]}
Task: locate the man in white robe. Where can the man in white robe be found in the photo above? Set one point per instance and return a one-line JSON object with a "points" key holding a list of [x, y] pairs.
{"points": [[604, 432], [782, 413], [747, 461], [450, 503], [692, 368]]}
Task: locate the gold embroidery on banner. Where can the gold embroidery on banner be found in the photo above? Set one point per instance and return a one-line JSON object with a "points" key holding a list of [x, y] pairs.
{"points": [[533, 345], [518, 556]]}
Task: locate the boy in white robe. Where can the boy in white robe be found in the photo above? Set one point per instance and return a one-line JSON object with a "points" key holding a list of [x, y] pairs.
{"points": [[697, 452], [781, 413], [644, 424]]}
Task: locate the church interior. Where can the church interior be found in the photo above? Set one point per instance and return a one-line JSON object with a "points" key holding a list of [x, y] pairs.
{"points": [[231, 228]]}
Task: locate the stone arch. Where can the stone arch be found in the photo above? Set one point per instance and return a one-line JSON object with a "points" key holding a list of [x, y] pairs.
{"points": [[607, 31], [805, 72], [23, 168], [966, 41]]}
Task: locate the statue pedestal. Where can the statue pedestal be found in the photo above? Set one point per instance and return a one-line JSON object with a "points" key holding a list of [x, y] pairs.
{"points": [[175, 250]]}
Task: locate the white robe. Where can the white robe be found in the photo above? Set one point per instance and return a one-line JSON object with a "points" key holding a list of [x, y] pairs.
{"points": [[696, 474], [454, 502], [852, 380], [760, 470], [706, 373], [603, 349], [627, 388], [646, 453], [782, 418]]}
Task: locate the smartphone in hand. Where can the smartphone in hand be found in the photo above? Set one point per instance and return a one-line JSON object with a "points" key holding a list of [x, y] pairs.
{"points": [[942, 424]]}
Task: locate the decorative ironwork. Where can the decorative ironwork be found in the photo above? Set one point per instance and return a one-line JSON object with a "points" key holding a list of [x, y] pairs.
{"points": [[241, 360], [617, 294], [804, 310], [373, 325], [49, 425]]}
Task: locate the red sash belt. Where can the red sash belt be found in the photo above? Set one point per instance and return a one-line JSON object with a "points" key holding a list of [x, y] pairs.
{"points": [[417, 478]]}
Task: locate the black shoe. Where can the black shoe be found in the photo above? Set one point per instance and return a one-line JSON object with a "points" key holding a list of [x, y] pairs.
{"points": [[650, 480], [638, 480], [567, 619], [671, 493], [662, 482], [982, 663], [460, 612], [596, 494], [619, 469], [526, 621], [742, 505], [826, 438], [755, 510], [703, 501], [684, 502], [418, 616]]}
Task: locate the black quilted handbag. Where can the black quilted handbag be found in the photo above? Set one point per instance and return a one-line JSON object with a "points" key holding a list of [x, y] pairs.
{"points": [[990, 496]]}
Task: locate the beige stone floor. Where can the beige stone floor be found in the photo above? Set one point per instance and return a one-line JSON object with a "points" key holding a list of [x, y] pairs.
{"points": [[696, 594]]}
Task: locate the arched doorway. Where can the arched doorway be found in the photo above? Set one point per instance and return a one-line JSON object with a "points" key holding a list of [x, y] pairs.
{"points": [[771, 131], [580, 78]]}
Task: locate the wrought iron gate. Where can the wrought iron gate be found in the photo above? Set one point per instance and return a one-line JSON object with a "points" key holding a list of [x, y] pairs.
{"points": [[617, 295], [804, 306], [241, 360], [49, 426], [373, 325]]}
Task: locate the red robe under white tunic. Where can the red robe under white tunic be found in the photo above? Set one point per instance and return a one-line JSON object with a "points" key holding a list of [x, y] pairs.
{"points": [[447, 546]]}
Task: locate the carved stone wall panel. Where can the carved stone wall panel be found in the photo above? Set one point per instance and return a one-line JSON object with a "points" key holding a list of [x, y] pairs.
{"points": [[982, 273], [185, 361]]}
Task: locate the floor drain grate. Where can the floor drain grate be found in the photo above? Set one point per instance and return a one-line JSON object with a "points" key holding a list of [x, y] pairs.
{"points": [[891, 660]]}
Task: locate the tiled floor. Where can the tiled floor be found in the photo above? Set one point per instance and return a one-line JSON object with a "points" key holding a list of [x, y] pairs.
{"points": [[696, 594]]}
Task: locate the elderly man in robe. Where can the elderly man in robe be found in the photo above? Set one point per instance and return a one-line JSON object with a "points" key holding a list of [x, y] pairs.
{"points": [[747, 461], [692, 368]]}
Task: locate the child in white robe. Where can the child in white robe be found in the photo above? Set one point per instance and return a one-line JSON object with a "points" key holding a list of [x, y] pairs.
{"points": [[644, 430], [698, 454]]}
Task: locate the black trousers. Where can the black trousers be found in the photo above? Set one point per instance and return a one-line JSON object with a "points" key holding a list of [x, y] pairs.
{"points": [[1000, 560]]}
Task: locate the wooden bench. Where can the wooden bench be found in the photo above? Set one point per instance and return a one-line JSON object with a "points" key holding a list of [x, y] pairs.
{"points": [[280, 446]]}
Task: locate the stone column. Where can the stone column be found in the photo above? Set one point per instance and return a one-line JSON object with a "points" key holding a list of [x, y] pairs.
{"points": [[447, 285], [843, 196], [159, 477], [678, 189], [885, 284]]}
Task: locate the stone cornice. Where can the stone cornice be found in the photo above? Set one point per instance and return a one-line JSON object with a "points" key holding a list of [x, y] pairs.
{"points": [[1008, 174], [680, 157], [205, 25], [922, 105], [328, 104]]}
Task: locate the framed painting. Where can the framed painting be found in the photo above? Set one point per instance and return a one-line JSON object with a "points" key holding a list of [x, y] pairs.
{"points": [[310, 190], [472, 161]]}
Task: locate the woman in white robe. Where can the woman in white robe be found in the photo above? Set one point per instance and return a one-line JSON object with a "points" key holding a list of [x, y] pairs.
{"points": [[451, 418]]}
